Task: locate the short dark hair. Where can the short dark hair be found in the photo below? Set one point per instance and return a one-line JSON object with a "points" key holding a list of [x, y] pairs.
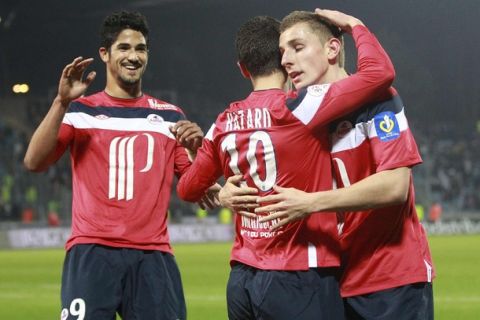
{"points": [[119, 21], [257, 45], [322, 28]]}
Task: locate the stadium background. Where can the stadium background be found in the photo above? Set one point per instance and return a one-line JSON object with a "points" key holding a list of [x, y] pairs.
{"points": [[433, 44]]}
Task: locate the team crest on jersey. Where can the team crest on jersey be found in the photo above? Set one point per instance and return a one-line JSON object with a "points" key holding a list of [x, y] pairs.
{"points": [[155, 119], [387, 126], [318, 90], [101, 117], [343, 128]]}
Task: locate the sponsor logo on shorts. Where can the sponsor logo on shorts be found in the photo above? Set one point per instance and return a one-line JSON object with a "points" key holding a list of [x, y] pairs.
{"points": [[64, 314]]}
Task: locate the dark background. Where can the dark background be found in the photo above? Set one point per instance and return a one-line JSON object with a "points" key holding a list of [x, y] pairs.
{"points": [[434, 45]]}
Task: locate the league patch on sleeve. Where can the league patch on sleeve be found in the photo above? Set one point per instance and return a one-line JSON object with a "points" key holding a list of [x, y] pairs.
{"points": [[387, 126]]}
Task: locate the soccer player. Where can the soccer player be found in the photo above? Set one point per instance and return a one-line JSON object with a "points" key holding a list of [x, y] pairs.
{"points": [[270, 139], [124, 157], [386, 263]]}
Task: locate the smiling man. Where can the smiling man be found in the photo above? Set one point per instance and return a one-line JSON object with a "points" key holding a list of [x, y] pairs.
{"points": [[124, 156]]}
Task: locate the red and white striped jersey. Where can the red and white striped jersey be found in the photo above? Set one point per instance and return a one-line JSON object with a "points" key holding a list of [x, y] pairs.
{"points": [[123, 160], [387, 247], [271, 139]]}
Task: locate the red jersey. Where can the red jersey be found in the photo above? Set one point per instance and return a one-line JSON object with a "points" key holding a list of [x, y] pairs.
{"points": [[270, 140], [387, 247], [123, 161]]}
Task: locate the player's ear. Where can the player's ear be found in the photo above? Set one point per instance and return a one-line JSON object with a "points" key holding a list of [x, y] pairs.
{"points": [[103, 53], [243, 70], [333, 47]]}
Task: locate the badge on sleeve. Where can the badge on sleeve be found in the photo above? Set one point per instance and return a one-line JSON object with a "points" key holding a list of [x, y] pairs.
{"points": [[387, 126]]}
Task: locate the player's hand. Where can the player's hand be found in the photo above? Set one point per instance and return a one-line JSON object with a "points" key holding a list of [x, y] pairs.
{"points": [[239, 199], [72, 85], [339, 19], [288, 204], [188, 134], [210, 199]]}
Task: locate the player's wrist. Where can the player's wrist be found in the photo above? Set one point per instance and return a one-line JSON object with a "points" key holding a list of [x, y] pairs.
{"points": [[62, 101], [352, 23]]}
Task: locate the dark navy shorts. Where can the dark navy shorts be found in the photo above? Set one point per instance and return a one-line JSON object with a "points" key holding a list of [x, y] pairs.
{"points": [[99, 281], [283, 295], [409, 302]]}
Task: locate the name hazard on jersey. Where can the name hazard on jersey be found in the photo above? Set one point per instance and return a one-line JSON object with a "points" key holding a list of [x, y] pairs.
{"points": [[255, 118]]}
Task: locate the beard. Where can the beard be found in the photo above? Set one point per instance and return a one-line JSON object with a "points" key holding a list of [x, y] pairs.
{"points": [[130, 81]]}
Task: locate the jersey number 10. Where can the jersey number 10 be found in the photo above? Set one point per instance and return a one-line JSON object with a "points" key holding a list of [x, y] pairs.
{"points": [[229, 145]]}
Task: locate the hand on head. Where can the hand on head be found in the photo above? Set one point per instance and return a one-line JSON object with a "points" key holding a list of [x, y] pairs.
{"points": [[340, 19]]}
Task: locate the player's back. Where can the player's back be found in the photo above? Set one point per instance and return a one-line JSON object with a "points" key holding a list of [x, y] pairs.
{"points": [[261, 138]]}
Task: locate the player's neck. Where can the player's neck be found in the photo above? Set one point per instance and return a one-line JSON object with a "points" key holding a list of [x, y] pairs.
{"points": [[123, 92], [273, 81], [334, 74]]}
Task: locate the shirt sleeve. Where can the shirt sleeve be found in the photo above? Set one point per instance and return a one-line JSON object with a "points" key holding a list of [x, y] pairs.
{"points": [[392, 143], [202, 174], [318, 105], [65, 137], [182, 162]]}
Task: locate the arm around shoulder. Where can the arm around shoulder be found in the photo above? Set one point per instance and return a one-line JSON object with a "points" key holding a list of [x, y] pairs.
{"points": [[382, 189]]}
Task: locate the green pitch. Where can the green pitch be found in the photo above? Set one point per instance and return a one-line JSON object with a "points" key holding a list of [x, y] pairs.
{"points": [[30, 280]]}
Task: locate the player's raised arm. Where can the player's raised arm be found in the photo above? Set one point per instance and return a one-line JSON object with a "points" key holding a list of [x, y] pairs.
{"points": [[41, 149], [327, 95]]}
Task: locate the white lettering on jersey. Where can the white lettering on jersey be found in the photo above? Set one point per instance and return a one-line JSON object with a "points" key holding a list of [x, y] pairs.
{"points": [[256, 118], [121, 165], [268, 157], [253, 223], [160, 106], [342, 169], [229, 145]]}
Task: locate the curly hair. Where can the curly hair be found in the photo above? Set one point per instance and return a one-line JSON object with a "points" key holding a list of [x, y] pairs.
{"points": [[119, 21]]}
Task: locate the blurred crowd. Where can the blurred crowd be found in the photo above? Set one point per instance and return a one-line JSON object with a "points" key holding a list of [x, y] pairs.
{"points": [[449, 176], [450, 173]]}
